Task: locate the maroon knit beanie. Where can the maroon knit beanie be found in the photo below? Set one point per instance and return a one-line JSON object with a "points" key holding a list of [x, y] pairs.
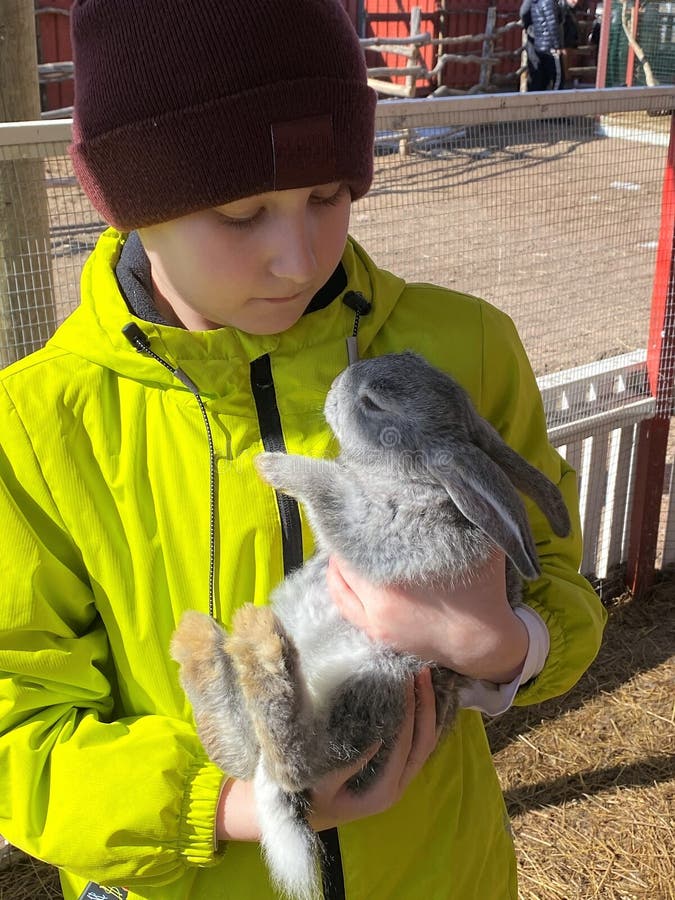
{"points": [[181, 105]]}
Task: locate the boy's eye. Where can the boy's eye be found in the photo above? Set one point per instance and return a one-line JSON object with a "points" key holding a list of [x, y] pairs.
{"points": [[332, 199], [246, 222]]}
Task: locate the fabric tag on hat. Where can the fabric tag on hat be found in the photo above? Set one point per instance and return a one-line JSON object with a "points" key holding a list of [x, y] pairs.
{"points": [[304, 152], [95, 891]]}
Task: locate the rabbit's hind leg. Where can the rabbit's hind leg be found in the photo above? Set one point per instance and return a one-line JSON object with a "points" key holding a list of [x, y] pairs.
{"points": [[445, 684], [368, 708], [277, 700], [209, 679]]}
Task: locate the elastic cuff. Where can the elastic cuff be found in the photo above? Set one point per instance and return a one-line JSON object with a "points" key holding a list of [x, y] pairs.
{"points": [[494, 699], [198, 816], [540, 642]]}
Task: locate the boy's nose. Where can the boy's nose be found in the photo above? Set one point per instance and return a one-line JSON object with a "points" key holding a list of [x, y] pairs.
{"points": [[294, 257]]}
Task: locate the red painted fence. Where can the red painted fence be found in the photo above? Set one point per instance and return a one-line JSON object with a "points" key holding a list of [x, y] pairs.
{"points": [[53, 36], [446, 18]]}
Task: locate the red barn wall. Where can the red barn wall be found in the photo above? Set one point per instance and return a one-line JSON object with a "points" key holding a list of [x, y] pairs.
{"points": [[53, 36]]}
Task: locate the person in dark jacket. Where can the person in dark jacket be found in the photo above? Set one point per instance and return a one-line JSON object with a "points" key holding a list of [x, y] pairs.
{"points": [[570, 25], [542, 19]]}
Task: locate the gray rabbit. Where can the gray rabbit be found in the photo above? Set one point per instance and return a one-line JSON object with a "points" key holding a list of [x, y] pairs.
{"points": [[422, 491]]}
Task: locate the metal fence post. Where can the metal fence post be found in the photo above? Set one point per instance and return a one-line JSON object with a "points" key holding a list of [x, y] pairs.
{"points": [[653, 434]]}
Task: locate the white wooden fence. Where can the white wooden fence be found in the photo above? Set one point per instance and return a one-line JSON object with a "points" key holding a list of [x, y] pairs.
{"points": [[592, 413]]}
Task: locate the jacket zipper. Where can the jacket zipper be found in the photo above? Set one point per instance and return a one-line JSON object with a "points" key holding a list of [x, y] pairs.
{"points": [[264, 395], [141, 343], [265, 398]]}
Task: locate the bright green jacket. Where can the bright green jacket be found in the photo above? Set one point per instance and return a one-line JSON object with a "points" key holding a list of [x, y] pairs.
{"points": [[104, 504]]}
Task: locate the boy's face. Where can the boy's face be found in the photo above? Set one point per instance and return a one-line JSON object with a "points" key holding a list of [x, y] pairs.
{"points": [[254, 264]]}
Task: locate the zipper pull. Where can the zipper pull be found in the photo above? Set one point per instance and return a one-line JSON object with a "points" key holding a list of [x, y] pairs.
{"points": [[141, 343], [352, 349], [356, 301]]}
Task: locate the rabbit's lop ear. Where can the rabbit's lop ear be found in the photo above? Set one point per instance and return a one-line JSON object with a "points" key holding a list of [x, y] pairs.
{"points": [[524, 476], [485, 496]]}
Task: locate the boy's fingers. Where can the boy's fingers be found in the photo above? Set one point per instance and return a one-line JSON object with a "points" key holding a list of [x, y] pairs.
{"points": [[342, 775], [344, 597], [424, 737], [400, 753]]}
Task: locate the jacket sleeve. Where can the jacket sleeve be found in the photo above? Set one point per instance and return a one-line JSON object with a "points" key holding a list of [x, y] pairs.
{"points": [[553, 15], [564, 600], [121, 801]]}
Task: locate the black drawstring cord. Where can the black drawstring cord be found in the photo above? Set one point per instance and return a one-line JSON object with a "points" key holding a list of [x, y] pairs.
{"points": [[140, 342]]}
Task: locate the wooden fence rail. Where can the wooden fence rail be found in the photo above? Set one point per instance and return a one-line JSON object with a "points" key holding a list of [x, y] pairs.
{"points": [[417, 70]]}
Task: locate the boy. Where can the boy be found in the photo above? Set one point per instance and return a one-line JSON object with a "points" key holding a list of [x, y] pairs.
{"points": [[225, 142]]}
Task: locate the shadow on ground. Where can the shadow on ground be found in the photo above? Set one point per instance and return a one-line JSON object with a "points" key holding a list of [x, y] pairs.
{"points": [[640, 635]]}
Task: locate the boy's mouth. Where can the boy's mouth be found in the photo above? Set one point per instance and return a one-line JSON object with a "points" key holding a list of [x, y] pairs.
{"points": [[283, 299]]}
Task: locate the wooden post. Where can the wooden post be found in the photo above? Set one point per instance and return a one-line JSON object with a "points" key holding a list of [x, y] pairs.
{"points": [[443, 32], [653, 435], [522, 86], [413, 61], [488, 46], [26, 305], [411, 80]]}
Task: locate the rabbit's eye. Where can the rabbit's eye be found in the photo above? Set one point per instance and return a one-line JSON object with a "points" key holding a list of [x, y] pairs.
{"points": [[368, 403]]}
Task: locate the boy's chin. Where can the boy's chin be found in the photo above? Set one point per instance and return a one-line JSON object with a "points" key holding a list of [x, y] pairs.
{"points": [[271, 321]]}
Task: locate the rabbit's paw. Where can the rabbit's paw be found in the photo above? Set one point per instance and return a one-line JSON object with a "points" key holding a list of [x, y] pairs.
{"points": [[196, 644], [268, 670], [272, 467], [207, 675]]}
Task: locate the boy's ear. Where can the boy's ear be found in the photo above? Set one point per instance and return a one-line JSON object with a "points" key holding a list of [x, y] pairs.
{"points": [[312, 481]]}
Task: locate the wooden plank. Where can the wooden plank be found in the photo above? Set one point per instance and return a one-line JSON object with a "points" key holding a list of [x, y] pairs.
{"points": [[539, 105], [488, 46], [387, 87], [416, 71], [588, 425], [668, 555], [595, 490], [573, 456], [619, 489]]}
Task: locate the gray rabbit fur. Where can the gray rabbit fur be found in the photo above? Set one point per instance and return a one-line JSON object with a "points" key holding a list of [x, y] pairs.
{"points": [[422, 491]]}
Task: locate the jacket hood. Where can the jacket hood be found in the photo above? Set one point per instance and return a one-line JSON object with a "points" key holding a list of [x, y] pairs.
{"points": [[94, 330]]}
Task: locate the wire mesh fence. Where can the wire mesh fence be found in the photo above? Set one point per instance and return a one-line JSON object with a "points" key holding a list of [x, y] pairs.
{"points": [[554, 217], [47, 228], [549, 206]]}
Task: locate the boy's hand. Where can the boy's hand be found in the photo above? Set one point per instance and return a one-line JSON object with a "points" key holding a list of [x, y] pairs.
{"points": [[333, 803], [468, 628]]}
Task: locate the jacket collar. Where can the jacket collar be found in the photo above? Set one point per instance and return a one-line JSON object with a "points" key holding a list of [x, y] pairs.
{"points": [[135, 283], [218, 359]]}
